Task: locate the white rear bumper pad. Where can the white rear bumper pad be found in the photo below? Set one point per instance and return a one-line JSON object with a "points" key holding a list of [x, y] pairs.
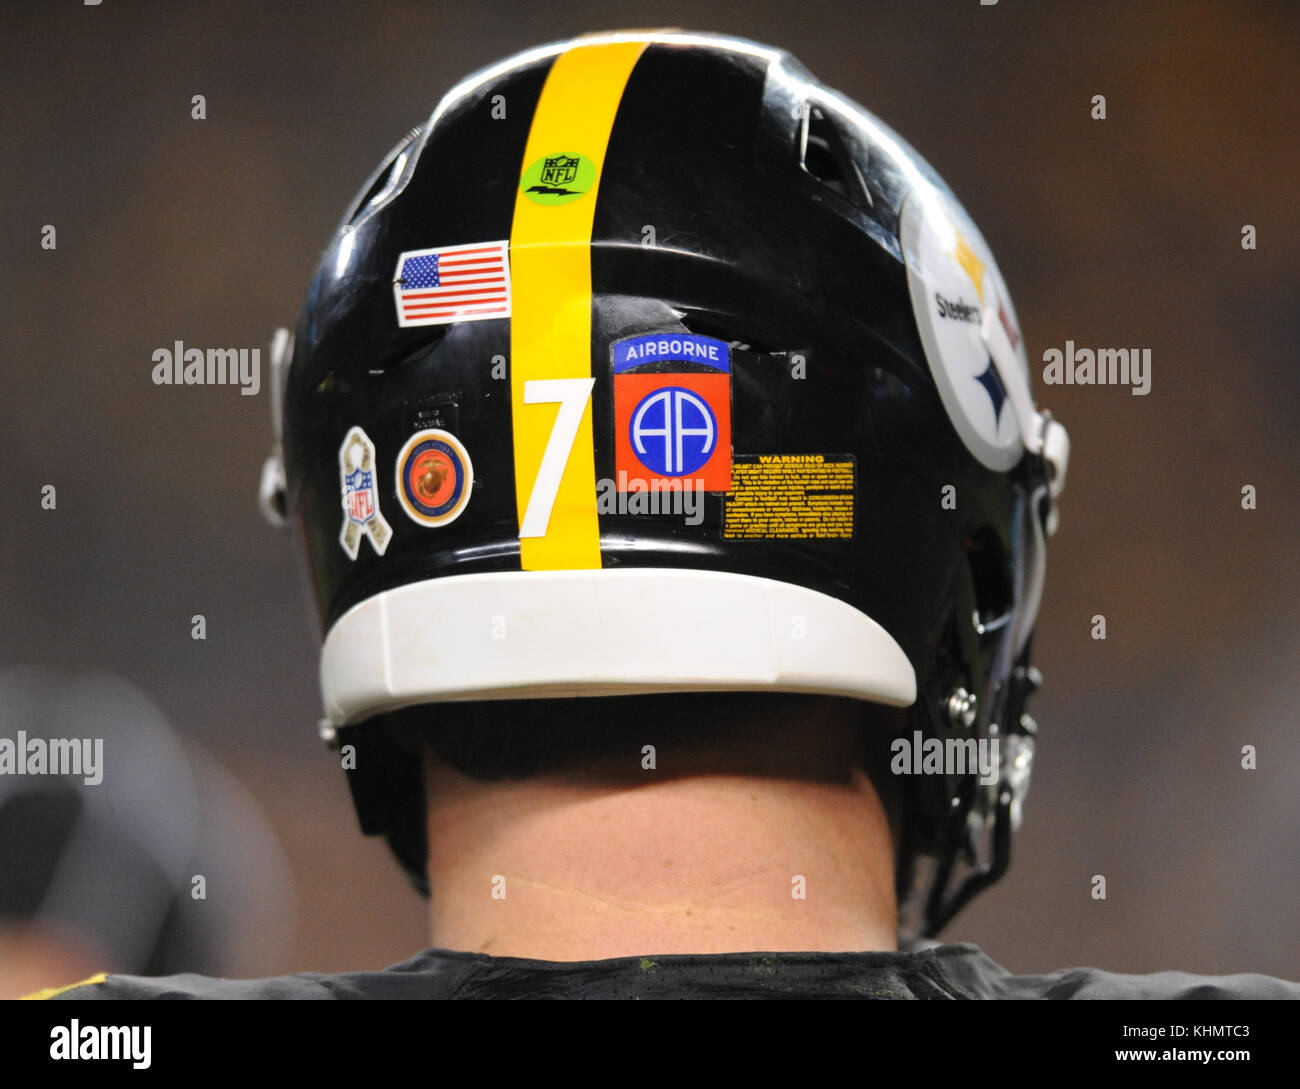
{"points": [[530, 634]]}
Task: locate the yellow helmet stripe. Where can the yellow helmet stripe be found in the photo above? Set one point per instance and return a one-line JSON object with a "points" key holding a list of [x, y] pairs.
{"points": [[550, 336]]}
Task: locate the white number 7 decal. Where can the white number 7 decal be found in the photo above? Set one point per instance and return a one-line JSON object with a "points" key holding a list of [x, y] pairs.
{"points": [[572, 394]]}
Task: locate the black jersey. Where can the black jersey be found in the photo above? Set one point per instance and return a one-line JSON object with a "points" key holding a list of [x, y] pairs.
{"points": [[957, 971]]}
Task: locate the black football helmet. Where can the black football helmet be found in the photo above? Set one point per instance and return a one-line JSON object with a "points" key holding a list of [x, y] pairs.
{"points": [[650, 364]]}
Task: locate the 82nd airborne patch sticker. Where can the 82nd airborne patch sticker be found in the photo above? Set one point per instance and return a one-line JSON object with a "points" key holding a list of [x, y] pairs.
{"points": [[672, 411], [361, 516]]}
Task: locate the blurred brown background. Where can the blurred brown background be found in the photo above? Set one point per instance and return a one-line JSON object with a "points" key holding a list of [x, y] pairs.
{"points": [[1119, 232]]}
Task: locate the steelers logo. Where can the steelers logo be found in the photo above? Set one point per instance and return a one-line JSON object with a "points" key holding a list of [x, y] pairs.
{"points": [[953, 282], [434, 478]]}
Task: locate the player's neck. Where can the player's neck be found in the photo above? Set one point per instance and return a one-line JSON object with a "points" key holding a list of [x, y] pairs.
{"points": [[586, 868]]}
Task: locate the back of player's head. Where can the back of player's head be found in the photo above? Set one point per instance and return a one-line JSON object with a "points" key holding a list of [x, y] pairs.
{"points": [[600, 392]]}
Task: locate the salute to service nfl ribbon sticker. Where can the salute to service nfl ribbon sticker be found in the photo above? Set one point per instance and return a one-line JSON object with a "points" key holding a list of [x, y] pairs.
{"points": [[672, 411], [434, 478], [953, 280], [361, 515]]}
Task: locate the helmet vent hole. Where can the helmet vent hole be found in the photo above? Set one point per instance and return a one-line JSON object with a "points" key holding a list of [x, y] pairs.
{"points": [[824, 154], [385, 179], [740, 340]]}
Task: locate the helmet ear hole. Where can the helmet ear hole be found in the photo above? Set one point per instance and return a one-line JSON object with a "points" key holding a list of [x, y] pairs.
{"points": [[991, 578]]}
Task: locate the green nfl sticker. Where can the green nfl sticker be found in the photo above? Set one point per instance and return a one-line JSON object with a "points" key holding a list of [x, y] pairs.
{"points": [[558, 179]]}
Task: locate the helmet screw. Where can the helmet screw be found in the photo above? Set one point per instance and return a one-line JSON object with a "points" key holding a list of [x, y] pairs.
{"points": [[328, 733], [961, 708]]}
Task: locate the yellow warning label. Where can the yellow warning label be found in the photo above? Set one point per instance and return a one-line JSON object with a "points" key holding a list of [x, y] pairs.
{"points": [[790, 495]]}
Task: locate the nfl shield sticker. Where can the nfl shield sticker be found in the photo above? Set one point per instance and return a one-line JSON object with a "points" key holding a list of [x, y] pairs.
{"points": [[672, 412], [361, 517], [434, 477], [953, 282], [558, 178]]}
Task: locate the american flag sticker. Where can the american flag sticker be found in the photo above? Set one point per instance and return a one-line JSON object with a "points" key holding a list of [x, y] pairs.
{"points": [[453, 283]]}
